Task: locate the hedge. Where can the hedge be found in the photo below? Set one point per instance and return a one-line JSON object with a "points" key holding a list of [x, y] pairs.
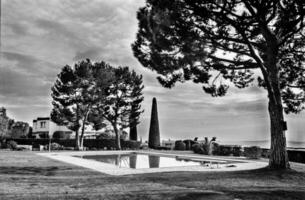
{"points": [[253, 152], [89, 143]]}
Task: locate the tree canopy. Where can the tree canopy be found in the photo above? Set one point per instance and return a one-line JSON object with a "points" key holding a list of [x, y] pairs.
{"points": [[74, 93], [121, 106], [215, 41], [239, 41], [90, 93]]}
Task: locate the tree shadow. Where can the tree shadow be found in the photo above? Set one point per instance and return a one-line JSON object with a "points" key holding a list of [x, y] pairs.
{"points": [[44, 171]]}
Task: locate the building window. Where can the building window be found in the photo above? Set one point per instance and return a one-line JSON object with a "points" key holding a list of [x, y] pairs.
{"points": [[42, 124]]}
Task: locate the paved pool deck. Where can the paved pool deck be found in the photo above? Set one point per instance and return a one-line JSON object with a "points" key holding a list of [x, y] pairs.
{"points": [[69, 157]]}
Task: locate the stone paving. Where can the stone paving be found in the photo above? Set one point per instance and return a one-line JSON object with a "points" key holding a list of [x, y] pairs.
{"points": [[68, 157]]}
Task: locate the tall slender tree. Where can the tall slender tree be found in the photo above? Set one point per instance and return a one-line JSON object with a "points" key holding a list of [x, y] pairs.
{"points": [[133, 132], [154, 131], [213, 42]]}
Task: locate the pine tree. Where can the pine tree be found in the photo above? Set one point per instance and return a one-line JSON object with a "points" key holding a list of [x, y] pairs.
{"points": [[74, 95], [121, 105], [217, 42], [154, 132]]}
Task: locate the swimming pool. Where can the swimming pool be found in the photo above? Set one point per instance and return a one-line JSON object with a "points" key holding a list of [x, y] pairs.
{"points": [[145, 161]]}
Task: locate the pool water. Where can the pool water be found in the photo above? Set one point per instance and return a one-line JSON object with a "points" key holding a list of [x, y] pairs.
{"points": [[142, 161]]}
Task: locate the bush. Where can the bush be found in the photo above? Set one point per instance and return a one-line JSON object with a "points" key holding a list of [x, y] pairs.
{"points": [[89, 143], [54, 146], [179, 145], [224, 150], [163, 148], [61, 135], [237, 151], [197, 148], [253, 152], [265, 153], [215, 149], [130, 144], [11, 144], [189, 144]]}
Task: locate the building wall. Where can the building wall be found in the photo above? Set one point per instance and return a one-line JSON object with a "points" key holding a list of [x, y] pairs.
{"points": [[46, 126], [168, 143], [53, 127]]}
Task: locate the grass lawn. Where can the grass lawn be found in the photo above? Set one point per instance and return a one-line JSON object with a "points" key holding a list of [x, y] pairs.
{"points": [[24, 175]]}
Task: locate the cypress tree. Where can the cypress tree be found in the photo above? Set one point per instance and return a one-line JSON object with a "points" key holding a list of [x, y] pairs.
{"points": [[154, 133]]}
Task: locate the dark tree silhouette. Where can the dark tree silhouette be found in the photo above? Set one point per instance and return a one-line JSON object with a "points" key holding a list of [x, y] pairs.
{"points": [[133, 132], [154, 132], [214, 42], [121, 104]]}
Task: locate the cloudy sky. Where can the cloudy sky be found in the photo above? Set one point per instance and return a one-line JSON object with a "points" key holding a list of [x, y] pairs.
{"points": [[39, 37]]}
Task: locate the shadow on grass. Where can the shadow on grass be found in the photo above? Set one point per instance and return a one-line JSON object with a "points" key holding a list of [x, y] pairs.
{"points": [[274, 194], [44, 171]]}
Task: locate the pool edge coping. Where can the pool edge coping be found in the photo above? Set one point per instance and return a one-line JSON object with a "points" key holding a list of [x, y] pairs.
{"points": [[110, 169]]}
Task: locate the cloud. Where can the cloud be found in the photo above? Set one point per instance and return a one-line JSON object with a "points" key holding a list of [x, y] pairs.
{"points": [[39, 37], [93, 54]]}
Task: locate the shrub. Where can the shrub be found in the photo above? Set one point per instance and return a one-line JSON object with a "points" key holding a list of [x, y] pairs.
{"points": [[189, 144], [61, 135], [90, 143], [266, 153], [11, 144], [237, 151], [215, 149], [163, 148], [225, 150], [179, 145], [253, 152], [130, 144], [197, 148], [55, 146]]}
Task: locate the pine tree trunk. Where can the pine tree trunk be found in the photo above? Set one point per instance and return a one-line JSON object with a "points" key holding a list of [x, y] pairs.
{"points": [[278, 154], [81, 138], [77, 144], [117, 137]]}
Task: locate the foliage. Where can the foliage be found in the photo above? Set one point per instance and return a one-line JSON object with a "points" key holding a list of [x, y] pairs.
{"points": [[19, 129], [217, 42], [197, 148], [74, 94], [55, 146], [180, 145], [189, 144], [154, 131], [109, 144], [206, 147], [120, 104], [224, 150], [11, 144], [237, 151], [90, 93], [5, 123], [253, 152], [61, 135]]}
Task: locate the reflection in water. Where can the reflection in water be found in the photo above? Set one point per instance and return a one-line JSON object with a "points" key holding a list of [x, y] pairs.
{"points": [[133, 161], [143, 161], [154, 161]]}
